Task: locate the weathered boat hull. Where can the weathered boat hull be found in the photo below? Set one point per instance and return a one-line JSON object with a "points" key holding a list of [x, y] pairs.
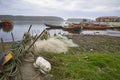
{"points": [[69, 29], [76, 28]]}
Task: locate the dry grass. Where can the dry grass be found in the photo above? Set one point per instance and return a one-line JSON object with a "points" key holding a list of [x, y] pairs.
{"points": [[7, 46]]}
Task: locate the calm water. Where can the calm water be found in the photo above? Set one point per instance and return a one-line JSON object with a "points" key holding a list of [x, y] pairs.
{"points": [[20, 29]]}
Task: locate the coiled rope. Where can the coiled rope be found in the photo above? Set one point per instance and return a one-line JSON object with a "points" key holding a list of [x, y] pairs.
{"points": [[11, 68]]}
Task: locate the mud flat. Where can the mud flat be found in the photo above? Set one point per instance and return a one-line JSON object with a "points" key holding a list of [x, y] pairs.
{"points": [[99, 43]]}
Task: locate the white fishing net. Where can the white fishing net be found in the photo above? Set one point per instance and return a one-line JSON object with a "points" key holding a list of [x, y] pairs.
{"points": [[56, 44]]}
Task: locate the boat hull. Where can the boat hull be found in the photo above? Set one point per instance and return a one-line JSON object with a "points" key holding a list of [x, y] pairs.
{"points": [[76, 28]]}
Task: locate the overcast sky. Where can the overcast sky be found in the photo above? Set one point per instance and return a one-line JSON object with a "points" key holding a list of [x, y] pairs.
{"points": [[61, 8]]}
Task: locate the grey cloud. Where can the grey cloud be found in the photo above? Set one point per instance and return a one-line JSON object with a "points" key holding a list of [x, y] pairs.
{"points": [[64, 8]]}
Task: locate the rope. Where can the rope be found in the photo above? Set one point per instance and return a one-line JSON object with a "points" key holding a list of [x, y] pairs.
{"points": [[10, 69]]}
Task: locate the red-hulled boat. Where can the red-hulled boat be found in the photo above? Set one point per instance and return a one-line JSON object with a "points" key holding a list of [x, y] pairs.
{"points": [[76, 28], [95, 26]]}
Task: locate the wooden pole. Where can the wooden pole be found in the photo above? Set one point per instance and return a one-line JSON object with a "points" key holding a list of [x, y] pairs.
{"points": [[3, 48], [29, 28], [12, 36], [36, 40]]}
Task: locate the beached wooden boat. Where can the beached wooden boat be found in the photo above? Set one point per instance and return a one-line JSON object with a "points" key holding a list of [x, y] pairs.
{"points": [[69, 29], [76, 28], [95, 26]]}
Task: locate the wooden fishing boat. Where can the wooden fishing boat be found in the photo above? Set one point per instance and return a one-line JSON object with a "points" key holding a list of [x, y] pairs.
{"points": [[53, 26], [95, 26], [68, 29], [76, 28]]}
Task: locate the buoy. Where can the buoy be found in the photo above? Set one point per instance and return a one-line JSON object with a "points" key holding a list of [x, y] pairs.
{"points": [[43, 65], [8, 57]]}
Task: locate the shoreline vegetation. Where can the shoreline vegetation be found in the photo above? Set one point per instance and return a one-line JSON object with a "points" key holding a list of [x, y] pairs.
{"points": [[96, 58]]}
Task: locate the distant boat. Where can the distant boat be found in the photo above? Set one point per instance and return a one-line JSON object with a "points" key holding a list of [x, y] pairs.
{"points": [[95, 26], [69, 29], [76, 28]]}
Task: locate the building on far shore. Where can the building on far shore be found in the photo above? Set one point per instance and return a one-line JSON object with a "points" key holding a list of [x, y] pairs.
{"points": [[108, 19]]}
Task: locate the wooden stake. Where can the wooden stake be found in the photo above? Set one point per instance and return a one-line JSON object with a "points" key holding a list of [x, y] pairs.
{"points": [[36, 40], [3, 48], [12, 36], [29, 28]]}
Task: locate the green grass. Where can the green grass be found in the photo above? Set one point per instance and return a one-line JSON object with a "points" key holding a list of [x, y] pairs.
{"points": [[102, 63], [85, 66]]}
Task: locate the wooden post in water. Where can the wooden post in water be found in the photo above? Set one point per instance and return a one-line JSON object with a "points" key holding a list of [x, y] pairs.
{"points": [[29, 28], [12, 36], [2, 45]]}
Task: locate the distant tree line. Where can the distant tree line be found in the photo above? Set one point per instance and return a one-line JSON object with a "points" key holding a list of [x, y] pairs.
{"points": [[31, 18]]}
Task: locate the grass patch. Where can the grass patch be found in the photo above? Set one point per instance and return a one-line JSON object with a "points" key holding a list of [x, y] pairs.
{"points": [[87, 66], [82, 63], [7, 45]]}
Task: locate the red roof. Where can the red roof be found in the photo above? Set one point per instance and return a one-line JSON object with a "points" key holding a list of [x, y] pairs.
{"points": [[108, 17]]}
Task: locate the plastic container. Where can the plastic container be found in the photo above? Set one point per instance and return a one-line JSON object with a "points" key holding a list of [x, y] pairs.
{"points": [[43, 65]]}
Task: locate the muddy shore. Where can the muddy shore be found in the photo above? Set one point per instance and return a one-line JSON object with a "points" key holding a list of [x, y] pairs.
{"points": [[97, 43]]}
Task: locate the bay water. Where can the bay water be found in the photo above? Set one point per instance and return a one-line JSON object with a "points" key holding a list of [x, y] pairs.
{"points": [[20, 29]]}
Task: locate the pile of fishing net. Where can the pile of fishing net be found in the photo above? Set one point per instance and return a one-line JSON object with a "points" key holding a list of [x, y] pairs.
{"points": [[55, 44]]}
